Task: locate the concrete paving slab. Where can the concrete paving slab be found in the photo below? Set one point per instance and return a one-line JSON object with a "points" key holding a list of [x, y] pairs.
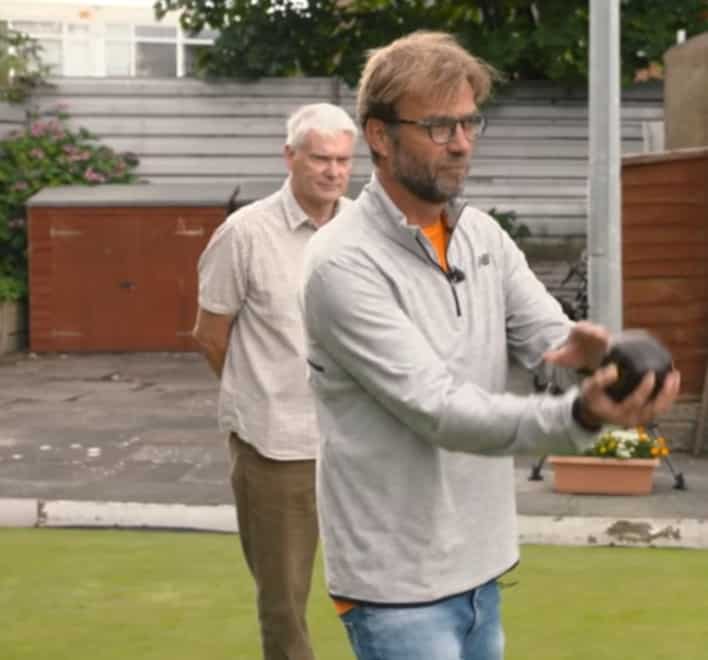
{"points": [[140, 447], [123, 440], [15, 512]]}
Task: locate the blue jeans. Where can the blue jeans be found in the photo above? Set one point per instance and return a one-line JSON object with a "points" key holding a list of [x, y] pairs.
{"points": [[463, 627]]}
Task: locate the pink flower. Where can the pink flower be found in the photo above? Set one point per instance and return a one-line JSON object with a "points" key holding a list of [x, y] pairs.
{"points": [[55, 128], [75, 154], [21, 185], [37, 153], [38, 128], [93, 177], [78, 156]]}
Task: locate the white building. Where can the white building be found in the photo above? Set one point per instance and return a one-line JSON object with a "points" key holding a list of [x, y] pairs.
{"points": [[106, 37]]}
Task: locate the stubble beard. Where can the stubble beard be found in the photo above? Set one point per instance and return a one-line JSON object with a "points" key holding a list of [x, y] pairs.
{"points": [[420, 180]]}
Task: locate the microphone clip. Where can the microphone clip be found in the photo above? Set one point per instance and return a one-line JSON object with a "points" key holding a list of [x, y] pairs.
{"points": [[455, 275]]}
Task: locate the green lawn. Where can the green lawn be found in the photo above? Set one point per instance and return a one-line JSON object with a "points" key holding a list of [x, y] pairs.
{"points": [[105, 595]]}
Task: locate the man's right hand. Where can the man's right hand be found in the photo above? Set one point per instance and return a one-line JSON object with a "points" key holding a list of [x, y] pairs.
{"points": [[637, 409]]}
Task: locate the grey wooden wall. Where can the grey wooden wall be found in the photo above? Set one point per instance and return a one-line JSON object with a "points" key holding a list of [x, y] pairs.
{"points": [[12, 118], [533, 159]]}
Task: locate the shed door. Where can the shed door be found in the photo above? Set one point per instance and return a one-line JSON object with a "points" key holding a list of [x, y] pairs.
{"points": [[170, 243], [94, 254], [124, 279]]}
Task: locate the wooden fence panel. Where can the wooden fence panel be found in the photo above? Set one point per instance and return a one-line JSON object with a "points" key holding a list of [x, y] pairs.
{"points": [[533, 158]]}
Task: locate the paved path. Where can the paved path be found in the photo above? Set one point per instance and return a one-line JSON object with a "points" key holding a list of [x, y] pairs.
{"points": [[130, 440]]}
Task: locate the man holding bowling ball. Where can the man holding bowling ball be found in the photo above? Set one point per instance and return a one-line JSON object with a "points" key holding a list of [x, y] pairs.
{"points": [[414, 303], [633, 382]]}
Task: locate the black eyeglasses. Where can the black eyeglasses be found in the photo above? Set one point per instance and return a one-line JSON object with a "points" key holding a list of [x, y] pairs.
{"points": [[442, 129]]}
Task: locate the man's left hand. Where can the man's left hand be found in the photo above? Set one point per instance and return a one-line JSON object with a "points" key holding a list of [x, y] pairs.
{"points": [[585, 347]]}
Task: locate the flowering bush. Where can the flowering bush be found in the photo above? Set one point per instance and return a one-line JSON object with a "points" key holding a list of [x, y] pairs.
{"points": [[47, 153], [628, 443]]}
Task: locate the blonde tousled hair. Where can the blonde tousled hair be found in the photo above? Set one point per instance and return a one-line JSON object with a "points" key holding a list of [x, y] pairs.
{"points": [[424, 62]]}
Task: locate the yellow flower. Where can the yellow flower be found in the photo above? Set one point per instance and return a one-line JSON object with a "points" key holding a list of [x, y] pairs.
{"points": [[629, 443]]}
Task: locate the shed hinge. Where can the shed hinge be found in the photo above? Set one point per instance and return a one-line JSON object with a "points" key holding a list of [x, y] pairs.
{"points": [[66, 333], [183, 231], [190, 232], [64, 233]]}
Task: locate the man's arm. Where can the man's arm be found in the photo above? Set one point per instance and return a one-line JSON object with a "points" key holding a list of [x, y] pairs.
{"points": [[211, 332], [223, 277], [356, 326]]}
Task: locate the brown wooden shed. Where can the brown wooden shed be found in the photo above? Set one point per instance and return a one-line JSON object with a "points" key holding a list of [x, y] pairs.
{"points": [[113, 268], [665, 254]]}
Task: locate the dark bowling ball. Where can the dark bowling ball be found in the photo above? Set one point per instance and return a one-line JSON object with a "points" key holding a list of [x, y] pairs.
{"points": [[636, 352]]}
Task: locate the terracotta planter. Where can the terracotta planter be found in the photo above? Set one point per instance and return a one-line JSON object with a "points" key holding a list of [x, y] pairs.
{"points": [[589, 475]]}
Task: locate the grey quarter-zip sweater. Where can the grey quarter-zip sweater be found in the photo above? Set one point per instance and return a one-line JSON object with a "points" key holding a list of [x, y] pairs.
{"points": [[408, 365]]}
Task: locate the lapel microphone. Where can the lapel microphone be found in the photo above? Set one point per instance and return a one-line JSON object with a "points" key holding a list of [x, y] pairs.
{"points": [[455, 275]]}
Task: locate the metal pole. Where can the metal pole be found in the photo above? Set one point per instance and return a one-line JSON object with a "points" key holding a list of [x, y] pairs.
{"points": [[604, 217]]}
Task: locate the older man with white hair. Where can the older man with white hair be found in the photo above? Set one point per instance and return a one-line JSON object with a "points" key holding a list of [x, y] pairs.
{"points": [[250, 330]]}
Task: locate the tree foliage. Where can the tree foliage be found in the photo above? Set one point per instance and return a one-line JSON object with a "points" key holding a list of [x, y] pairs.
{"points": [[21, 67], [526, 39]]}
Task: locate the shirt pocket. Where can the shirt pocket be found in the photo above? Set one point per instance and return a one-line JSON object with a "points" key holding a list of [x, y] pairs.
{"points": [[273, 291]]}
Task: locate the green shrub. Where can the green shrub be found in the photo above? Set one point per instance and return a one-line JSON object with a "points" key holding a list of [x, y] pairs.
{"points": [[21, 67], [12, 288], [46, 154], [510, 224]]}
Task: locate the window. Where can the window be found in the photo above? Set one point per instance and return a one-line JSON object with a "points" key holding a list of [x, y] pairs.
{"points": [[118, 58], [191, 54], [155, 60], [115, 49], [51, 55], [38, 28], [49, 35], [155, 51], [150, 32], [79, 52], [118, 31], [118, 50]]}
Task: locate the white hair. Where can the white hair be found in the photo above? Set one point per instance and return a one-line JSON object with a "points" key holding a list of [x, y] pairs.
{"points": [[325, 118]]}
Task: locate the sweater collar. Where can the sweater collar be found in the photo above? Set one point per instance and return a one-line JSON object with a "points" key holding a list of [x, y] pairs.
{"points": [[394, 216]]}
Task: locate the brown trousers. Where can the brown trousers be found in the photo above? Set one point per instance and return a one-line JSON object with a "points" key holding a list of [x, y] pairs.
{"points": [[277, 518]]}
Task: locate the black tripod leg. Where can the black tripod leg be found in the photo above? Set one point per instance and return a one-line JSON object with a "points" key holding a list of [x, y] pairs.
{"points": [[679, 479], [536, 470]]}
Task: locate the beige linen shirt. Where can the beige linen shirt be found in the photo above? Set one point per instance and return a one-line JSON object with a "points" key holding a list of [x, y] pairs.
{"points": [[251, 269]]}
